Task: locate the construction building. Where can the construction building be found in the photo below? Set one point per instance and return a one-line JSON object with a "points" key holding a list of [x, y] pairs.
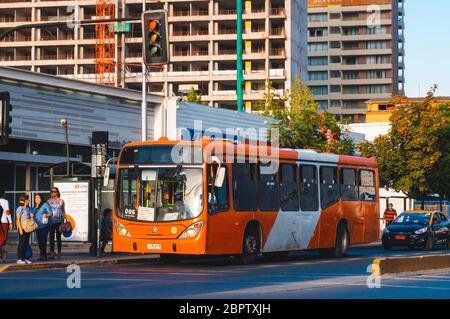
{"points": [[202, 45]]}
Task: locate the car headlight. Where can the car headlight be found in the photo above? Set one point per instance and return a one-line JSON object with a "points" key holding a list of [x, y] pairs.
{"points": [[421, 231], [386, 231], [192, 230], [122, 231]]}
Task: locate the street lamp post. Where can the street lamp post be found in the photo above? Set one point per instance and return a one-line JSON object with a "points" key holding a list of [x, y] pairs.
{"points": [[64, 124]]}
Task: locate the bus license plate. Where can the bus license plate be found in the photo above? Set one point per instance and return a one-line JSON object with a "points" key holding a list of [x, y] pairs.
{"points": [[154, 246], [400, 237]]}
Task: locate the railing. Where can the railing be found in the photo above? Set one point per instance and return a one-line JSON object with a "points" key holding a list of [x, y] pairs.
{"points": [[225, 72], [15, 19], [199, 52], [200, 32], [276, 72], [181, 53], [227, 11], [181, 13], [228, 92], [277, 11], [227, 52], [200, 12], [277, 31], [227, 31], [277, 52], [180, 33]]}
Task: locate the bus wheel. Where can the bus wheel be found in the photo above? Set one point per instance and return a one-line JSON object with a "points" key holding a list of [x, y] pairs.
{"points": [[342, 242], [170, 259], [251, 246]]}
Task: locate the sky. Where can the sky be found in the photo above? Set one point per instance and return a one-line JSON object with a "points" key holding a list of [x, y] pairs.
{"points": [[427, 33]]}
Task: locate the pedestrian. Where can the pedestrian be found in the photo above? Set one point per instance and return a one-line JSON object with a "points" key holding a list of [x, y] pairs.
{"points": [[42, 214], [106, 229], [58, 216], [23, 214], [390, 214], [6, 225]]}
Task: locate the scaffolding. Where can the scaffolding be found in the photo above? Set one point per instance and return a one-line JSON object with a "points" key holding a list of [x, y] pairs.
{"points": [[105, 66]]}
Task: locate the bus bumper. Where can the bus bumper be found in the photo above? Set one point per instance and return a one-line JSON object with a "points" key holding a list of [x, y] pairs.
{"points": [[160, 246]]}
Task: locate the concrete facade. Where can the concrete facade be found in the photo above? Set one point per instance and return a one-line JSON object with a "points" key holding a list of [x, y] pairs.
{"points": [[356, 53], [202, 45]]}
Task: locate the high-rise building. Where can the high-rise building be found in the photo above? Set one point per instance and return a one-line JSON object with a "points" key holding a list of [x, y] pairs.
{"points": [[202, 45], [356, 53]]}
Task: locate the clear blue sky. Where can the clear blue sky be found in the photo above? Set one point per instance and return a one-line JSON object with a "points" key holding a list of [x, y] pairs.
{"points": [[427, 35]]}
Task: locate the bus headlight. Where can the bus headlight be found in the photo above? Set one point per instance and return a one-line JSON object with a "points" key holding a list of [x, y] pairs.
{"points": [[192, 230], [122, 231]]}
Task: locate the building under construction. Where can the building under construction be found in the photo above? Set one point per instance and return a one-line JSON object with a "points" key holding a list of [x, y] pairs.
{"points": [[202, 45]]}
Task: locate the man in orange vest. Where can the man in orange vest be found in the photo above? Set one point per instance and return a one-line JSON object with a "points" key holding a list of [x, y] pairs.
{"points": [[390, 214]]}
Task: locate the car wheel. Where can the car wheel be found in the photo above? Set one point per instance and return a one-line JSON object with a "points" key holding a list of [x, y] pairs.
{"points": [[342, 242], [429, 243], [250, 246]]}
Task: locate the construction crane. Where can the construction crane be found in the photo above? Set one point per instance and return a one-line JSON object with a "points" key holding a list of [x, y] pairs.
{"points": [[105, 67]]}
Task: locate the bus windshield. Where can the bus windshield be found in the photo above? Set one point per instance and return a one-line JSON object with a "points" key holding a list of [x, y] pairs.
{"points": [[160, 194]]}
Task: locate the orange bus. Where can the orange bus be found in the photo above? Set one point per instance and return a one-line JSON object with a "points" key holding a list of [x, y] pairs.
{"points": [[206, 205]]}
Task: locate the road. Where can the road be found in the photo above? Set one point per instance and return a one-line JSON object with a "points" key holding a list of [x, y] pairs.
{"points": [[305, 276]]}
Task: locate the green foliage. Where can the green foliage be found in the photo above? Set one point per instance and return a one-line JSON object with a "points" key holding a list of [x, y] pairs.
{"points": [[413, 156], [301, 124], [193, 97]]}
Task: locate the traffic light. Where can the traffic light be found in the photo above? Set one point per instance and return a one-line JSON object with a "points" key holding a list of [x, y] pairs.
{"points": [[155, 41], [5, 117]]}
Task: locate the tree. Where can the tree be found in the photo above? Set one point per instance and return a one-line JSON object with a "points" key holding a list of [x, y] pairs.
{"points": [[439, 178], [410, 156], [300, 123], [194, 97]]}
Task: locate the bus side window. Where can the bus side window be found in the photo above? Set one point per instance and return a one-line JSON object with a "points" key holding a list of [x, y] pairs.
{"points": [[244, 187], [289, 187], [329, 188], [367, 191], [348, 185], [218, 199], [269, 199], [308, 188]]}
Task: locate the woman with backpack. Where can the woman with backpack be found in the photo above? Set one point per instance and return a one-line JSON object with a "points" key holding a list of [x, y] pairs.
{"points": [[25, 226], [57, 218], [42, 214]]}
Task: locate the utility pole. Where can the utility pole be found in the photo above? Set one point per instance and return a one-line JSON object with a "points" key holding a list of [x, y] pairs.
{"points": [[144, 92], [239, 77]]}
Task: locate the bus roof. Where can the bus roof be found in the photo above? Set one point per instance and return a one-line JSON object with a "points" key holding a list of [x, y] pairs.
{"points": [[268, 151]]}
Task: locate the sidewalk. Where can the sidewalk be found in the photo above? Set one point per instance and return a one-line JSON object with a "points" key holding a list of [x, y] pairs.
{"points": [[73, 254]]}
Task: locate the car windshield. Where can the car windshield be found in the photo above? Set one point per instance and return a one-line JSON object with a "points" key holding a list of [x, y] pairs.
{"points": [[413, 219], [160, 194]]}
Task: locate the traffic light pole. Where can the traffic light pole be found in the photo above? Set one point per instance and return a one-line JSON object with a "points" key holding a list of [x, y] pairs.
{"points": [[239, 77], [144, 93]]}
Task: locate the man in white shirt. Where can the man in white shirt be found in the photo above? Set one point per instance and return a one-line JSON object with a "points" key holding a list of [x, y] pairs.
{"points": [[5, 225]]}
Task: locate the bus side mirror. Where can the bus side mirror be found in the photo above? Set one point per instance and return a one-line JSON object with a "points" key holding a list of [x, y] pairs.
{"points": [[220, 177], [106, 177]]}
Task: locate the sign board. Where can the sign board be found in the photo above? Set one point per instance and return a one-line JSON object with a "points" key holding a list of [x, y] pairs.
{"points": [[76, 199]]}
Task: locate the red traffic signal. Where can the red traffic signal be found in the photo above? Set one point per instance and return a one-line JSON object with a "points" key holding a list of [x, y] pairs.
{"points": [[155, 42]]}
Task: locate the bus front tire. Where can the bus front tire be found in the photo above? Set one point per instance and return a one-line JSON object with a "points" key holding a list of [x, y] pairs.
{"points": [[251, 246], [342, 242]]}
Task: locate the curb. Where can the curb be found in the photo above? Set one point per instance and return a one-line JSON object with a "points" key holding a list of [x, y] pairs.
{"points": [[64, 264], [397, 265]]}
